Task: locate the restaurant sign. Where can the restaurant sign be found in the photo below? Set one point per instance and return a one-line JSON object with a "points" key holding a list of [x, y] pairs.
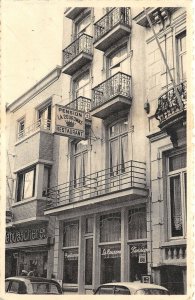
{"points": [[69, 122], [24, 235], [110, 253]]}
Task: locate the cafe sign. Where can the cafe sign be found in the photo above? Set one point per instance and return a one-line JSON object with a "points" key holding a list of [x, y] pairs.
{"points": [[69, 122], [71, 256], [110, 253], [24, 235]]}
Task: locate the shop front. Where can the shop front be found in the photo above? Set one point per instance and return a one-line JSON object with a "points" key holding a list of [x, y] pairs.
{"points": [[28, 249]]}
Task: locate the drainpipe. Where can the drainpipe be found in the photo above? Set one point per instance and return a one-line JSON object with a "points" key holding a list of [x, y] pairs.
{"points": [[165, 61]]}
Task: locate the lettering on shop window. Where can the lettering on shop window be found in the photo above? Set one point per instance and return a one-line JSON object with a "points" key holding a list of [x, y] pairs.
{"points": [[71, 256], [135, 249], [25, 235], [108, 253]]}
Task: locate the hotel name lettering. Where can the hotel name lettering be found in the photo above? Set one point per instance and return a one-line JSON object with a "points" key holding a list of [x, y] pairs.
{"points": [[70, 122], [24, 235]]}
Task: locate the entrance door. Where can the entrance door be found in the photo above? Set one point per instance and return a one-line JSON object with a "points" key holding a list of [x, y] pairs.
{"points": [[138, 261], [88, 261]]}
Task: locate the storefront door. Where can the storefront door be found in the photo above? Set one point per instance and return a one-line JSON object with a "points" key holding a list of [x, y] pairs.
{"points": [[138, 261]]}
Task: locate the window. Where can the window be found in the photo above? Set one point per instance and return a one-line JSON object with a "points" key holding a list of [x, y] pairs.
{"points": [[88, 261], [81, 86], [46, 180], [137, 223], [80, 163], [83, 26], [110, 227], [44, 116], [115, 60], [177, 194], [181, 56], [118, 147], [26, 184], [21, 128]]}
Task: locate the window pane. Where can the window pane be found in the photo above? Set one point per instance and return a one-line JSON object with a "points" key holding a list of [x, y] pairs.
{"points": [[46, 179], [88, 261], [81, 26], [137, 223], [110, 227], [110, 264], [124, 153], [118, 56], [176, 206], [89, 225], [20, 187], [29, 184], [114, 157], [177, 162], [71, 234]]}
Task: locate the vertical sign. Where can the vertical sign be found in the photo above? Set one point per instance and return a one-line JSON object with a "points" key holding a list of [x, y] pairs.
{"points": [[69, 122]]}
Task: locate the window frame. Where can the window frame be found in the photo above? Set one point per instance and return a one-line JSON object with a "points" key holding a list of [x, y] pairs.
{"points": [[183, 194], [112, 54], [20, 195], [46, 122], [21, 133], [180, 54], [75, 81]]}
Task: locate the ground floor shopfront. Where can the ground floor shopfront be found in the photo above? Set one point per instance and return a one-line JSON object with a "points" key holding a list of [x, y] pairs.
{"points": [[29, 248], [102, 245]]}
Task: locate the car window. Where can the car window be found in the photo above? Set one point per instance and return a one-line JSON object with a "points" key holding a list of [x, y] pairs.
{"points": [[45, 288], [121, 290], [105, 290], [6, 285], [13, 287], [151, 292]]}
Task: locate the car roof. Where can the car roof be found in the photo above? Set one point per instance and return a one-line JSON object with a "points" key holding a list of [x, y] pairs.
{"points": [[32, 279], [136, 285]]}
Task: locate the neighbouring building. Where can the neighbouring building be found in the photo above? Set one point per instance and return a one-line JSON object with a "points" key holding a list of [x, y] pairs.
{"points": [[104, 164]]}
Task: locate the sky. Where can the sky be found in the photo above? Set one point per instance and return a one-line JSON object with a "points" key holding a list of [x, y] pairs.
{"points": [[31, 43]]}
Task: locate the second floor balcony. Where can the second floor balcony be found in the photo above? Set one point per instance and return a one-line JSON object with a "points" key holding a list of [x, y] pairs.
{"points": [[112, 95], [171, 111], [124, 181], [77, 54], [112, 27], [83, 104]]}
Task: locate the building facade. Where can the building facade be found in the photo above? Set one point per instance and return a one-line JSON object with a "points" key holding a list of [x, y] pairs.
{"points": [[112, 194]]}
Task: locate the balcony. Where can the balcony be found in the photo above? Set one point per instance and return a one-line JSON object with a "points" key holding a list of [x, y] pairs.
{"points": [[126, 181], [112, 95], [73, 12], [170, 113], [83, 104], [77, 54], [112, 27], [34, 143], [28, 211], [175, 254]]}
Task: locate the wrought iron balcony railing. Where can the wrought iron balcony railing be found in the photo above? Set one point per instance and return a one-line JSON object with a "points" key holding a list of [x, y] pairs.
{"points": [[118, 15], [39, 124], [117, 85], [168, 104], [83, 44], [130, 174], [83, 104]]}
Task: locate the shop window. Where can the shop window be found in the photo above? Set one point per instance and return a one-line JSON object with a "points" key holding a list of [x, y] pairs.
{"points": [[26, 184], [177, 180], [83, 26], [46, 180], [181, 56], [80, 163], [114, 61], [81, 86], [118, 147], [138, 261], [44, 117], [110, 264], [137, 224], [110, 227], [21, 128], [71, 234]]}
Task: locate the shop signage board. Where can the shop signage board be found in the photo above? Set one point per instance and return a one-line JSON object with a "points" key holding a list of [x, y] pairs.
{"points": [[142, 258], [146, 278], [69, 122], [24, 235]]}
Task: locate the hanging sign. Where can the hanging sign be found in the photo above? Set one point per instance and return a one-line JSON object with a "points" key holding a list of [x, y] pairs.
{"points": [[69, 122]]}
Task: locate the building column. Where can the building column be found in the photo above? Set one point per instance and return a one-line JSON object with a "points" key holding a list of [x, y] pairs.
{"points": [[58, 262], [96, 261], [39, 180], [81, 261], [124, 246]]}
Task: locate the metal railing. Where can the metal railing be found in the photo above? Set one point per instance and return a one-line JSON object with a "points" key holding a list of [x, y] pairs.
{"points": [[39, 124], [131, 174], [83, 44], [117, 85], [83, 104], [116, 16], [168, 103]]}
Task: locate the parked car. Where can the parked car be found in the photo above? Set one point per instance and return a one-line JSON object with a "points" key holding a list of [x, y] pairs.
{"points": [[130, 288], [32, 285]]}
